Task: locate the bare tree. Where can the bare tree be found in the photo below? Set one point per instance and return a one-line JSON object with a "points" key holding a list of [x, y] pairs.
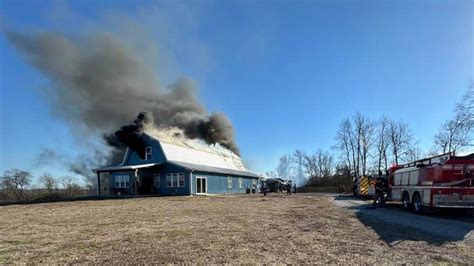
{"points": [[325, 163], [401, 140], [346, 144], [383, 142], [355, 139], [358, 120], [67, 184], [285, 166], [311, 165], [457, 133], [465, 108], [320, 164], [453, 136], [414, 153], [48, 181], [299, 161], [15, 182], [365, 137]]}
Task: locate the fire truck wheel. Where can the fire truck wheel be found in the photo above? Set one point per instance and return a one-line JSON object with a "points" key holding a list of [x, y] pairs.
{"points": [[406, 201], [417, 206]]}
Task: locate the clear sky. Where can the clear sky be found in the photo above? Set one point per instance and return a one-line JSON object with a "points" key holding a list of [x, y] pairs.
{"points": [[285, 72]]}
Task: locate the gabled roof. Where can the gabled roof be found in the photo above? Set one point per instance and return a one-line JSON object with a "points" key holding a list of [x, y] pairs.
{"points": [[210, 169]]}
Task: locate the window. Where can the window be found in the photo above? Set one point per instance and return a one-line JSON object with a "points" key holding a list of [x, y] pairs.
{"points": [[241, 182], [122, 181], [229, 182], [148, 153], [175, 180], [156, 180]]}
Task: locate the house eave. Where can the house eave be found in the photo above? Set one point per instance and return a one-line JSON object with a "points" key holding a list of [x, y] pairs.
{"points": [[215, 170], [125, 167]]}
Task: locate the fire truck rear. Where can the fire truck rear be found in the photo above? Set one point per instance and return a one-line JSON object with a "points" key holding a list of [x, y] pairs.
{"points": [[443, 181]]}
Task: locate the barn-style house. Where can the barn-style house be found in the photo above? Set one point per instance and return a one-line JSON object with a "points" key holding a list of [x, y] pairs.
{"points": [[176, 167]]}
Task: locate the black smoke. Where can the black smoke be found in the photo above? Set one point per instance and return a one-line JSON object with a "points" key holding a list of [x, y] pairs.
{"points": [[132, 135], [100, 82]]}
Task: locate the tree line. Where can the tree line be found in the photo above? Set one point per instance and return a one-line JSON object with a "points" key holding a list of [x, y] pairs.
{"points": [[369, 146], [16, 185]]}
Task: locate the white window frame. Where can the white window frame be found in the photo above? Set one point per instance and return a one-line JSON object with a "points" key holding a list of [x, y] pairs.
{"points": [[156, 180], [203, 189], [122, 181], [241, 182], [229, 182], [174, 180], [148, 153], [181, 179]]}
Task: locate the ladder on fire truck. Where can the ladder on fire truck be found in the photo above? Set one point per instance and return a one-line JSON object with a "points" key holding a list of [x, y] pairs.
{"points": [[429, 160]]}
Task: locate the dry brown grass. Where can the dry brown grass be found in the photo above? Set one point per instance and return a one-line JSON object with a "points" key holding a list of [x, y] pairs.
{"points": [[220, 229]]}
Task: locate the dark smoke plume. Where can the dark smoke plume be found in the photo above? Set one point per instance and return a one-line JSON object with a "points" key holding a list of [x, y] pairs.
{"points": [[131, 135], [101, 82]]}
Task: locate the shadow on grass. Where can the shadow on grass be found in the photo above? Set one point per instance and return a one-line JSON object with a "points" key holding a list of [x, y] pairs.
{"points": [[395, 226]]}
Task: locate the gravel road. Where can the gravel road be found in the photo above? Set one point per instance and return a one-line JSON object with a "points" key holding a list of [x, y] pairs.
{"points": [[435, 225]]}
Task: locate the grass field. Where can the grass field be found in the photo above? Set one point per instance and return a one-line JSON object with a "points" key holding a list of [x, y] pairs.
{"points": [[219, 229]]}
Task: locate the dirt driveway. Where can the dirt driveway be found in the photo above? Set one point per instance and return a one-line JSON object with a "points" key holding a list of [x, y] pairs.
{"points": [[302, 228]]}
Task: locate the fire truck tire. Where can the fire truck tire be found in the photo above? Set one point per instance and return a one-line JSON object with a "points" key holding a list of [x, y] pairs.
{"points": [[417, 204], [406, 201]]}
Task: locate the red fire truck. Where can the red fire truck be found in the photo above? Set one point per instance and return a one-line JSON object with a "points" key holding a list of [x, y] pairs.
{"points": [[443, 181]]}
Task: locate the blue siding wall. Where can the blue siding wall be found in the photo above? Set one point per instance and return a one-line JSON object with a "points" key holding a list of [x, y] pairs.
{"points": [[131, 174], [218, 184], [157, 154], [162, 170], [164, 189]]}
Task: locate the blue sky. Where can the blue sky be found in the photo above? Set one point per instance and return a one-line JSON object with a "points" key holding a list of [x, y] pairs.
{"points": [[285, 72]]}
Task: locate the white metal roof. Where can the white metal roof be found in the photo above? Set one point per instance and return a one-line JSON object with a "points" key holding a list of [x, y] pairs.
{"points": [[178, 148], [182, 154]]}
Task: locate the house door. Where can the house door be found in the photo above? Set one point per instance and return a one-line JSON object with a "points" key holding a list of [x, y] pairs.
{"points": [[146, 185], [201, 185]]}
